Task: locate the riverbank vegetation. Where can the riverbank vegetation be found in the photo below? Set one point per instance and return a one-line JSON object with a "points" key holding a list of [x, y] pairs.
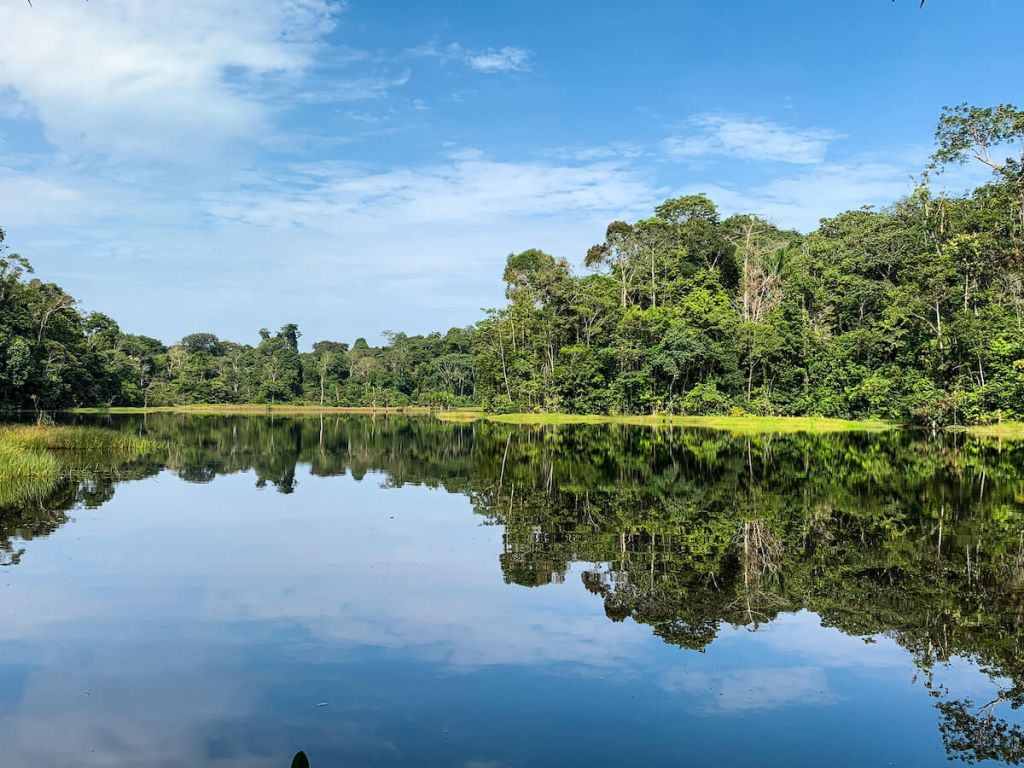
{"points": [[735, 424], [50, 437], [913, 313], [1012, 430], [19, 463], [739, 424], [25, 476], [260, 408], [34, 458]]}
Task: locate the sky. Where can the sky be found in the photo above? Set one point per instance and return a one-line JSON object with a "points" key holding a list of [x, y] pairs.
{"points": [[358, 167]]}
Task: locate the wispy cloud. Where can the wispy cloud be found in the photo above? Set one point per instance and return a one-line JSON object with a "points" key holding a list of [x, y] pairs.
{"points": [[800, 200], [488, 61], [752, 689], [620, 150], [505, 59], [28, 197], [466, 188], [363, 87], [748, 138]]}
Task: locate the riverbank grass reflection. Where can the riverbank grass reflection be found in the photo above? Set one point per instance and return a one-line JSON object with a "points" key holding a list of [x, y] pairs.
{"points": [[34, 458]]}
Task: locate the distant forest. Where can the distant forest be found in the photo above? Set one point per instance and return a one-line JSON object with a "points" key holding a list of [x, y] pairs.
{"points": [[913, 313]]}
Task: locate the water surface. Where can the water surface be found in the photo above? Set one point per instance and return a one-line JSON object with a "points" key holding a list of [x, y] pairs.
{"points": [[406, 592]]}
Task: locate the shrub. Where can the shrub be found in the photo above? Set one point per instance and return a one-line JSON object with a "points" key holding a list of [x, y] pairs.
{"points": [[704, 399]]}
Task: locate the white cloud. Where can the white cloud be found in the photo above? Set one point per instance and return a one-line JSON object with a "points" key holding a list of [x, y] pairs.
{"points": [[489, 61], [751, 689], [29, 198], [507, 59], [749, 139], [466, 189], [802, 634], [619, 150], [154, 76], [359, 88], [802, 199], [431, 50], [12, 106]]}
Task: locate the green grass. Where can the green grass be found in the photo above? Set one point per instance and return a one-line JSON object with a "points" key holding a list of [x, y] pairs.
{"points": [[737, 424], [33, 459], [25, 473], [18, 463], [76, 439], [459, 415], [20, 490], [1008, 430], [256, 408]]}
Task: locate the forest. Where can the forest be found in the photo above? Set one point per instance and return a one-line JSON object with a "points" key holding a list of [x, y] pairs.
{"points": [[914, 313]]}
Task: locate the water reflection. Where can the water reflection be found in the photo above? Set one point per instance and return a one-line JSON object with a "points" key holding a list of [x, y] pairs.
{"points": [[911, 542]]}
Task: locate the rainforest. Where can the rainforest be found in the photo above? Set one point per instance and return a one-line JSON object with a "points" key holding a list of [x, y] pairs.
{"points": [[913, 313]]}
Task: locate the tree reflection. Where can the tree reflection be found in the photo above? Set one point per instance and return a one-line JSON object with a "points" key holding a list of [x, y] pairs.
{"points": [[911, 536], [975, 734]]}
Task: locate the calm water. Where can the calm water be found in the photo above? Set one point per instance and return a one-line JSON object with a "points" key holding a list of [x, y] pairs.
{"points": [[405, 592]]}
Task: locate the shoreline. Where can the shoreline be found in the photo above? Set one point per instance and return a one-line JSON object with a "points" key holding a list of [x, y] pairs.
{"points": [[1010, 430], [727, 423], [255, 408], [740, 424], [749, 424]]}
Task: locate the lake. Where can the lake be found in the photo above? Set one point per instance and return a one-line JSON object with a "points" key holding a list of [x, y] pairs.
{"points": [[402, 591]]}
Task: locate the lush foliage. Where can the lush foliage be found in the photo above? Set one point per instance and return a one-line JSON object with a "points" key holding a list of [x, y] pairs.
{"points": [[913, 313]]}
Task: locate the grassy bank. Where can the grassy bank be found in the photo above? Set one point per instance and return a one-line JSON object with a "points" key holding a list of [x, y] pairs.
{"points": [[244, 409], [749, 424], [18, 463], [1007, 430], [739, 424], [34, 458], [31, 437], [26, 472], [26, 475], [744, 424]]}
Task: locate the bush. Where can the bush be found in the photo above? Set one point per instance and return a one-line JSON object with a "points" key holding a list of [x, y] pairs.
{"points": [[704, 399], [499, 404], [437, 398]]}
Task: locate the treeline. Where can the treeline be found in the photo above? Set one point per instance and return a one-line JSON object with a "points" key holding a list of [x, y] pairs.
{"points": [[914, 313]]}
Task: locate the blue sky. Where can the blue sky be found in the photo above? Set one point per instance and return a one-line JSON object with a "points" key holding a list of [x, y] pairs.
{"points": [[224, 165]]}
